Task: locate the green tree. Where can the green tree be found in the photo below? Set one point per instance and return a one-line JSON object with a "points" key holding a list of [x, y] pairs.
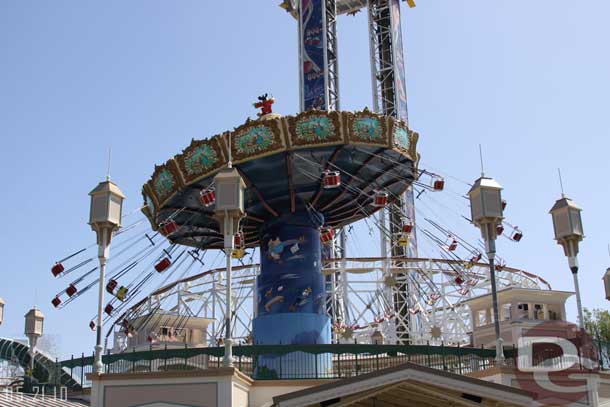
{"points": [[597, 324]]}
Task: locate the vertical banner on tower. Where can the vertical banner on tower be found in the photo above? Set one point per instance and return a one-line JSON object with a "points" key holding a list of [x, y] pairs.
{"points": [[399, 62], [401, 105], [312, 43]]}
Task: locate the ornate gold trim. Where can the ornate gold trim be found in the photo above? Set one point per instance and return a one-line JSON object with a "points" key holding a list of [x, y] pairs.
{"points": [[283, 132]]}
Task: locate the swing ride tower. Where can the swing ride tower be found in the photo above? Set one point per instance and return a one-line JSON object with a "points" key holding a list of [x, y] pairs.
{"points": [[318, 57], [338, 168], [290, 215], [308, 178]]}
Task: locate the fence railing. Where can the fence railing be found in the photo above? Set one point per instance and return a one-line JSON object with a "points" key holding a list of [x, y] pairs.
{"points": [[268, 362], [333, 361]]}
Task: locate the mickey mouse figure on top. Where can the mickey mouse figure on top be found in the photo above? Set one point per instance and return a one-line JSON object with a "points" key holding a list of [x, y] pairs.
{"points": [[265, 103]]}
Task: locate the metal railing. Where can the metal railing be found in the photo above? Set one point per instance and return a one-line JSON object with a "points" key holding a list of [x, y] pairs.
{"points": [[333, 361]]}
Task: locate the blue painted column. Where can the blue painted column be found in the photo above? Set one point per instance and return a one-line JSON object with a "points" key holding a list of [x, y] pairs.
{"points": [[291, 296]]}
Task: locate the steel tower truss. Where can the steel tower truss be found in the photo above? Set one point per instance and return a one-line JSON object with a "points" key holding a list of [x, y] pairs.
{"points": [[390, 98], [320, 89], [332, 60], [382, 28]]}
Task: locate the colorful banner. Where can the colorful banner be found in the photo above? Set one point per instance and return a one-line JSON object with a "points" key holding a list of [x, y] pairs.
{"points": [[313, 47]]}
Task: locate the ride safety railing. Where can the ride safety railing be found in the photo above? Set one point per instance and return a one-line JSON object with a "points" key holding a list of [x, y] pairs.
{"points": [[332, 361], [269, 362]]}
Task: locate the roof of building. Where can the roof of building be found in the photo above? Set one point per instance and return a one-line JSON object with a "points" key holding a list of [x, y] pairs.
{"points": [[407, 384], [521, 293]]}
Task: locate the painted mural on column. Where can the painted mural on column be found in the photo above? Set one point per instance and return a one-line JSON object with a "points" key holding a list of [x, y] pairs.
{"points": [[291, 297], [292, 280]]}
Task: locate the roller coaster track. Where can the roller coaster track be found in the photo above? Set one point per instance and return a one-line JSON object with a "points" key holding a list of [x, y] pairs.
{"points": [[45, 369]]}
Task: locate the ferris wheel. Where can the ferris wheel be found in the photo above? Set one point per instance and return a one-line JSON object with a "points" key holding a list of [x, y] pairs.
{"points": [[361, 300]]}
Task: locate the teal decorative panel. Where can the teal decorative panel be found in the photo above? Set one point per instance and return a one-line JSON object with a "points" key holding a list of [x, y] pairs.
{"points": [[200, 159], [401, 138], [164, 183], [254, 140], [317, 128], [367, 129]]}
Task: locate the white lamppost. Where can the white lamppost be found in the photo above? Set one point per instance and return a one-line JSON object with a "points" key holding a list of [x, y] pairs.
{"points": [[105, 219], [1, 310], [229, 210], [34, 328], [486, 210], [567, 224]]}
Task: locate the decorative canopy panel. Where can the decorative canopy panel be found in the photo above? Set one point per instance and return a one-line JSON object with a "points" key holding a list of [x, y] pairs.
{"points": [[282, 161]]}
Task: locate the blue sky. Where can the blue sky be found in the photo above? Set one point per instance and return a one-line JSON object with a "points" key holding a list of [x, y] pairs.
{"points": [[528, 80]]}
